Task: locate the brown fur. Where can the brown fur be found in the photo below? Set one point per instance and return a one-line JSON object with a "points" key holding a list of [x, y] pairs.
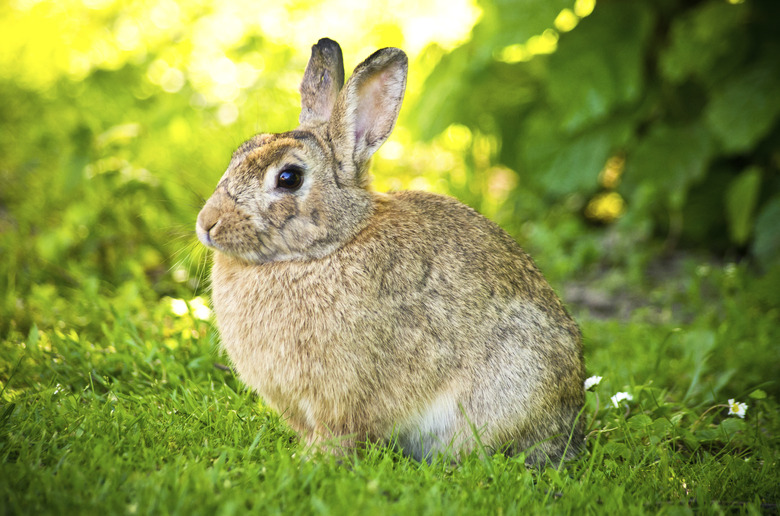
{"points": [[366, 316]]}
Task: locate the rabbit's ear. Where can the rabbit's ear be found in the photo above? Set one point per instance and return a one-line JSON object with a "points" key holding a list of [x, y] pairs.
{"points": [[367, 109], [322, 81]]}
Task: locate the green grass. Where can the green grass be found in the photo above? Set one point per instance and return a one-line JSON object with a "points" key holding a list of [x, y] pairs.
{"points": [[110, 403], [113, 404]]}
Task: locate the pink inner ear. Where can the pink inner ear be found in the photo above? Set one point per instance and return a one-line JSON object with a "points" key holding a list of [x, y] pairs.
{"points": [[371, 99]]}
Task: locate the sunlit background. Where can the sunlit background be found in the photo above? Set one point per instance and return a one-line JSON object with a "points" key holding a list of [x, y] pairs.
{"points": [[201, 42], [588, 130], [241, 62]]}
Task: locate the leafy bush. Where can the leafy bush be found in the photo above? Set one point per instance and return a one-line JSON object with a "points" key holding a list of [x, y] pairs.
{"points": [[671, 104]]}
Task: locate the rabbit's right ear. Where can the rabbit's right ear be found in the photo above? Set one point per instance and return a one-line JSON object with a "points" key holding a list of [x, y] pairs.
{"points": [[322, 81], [366, 111]]}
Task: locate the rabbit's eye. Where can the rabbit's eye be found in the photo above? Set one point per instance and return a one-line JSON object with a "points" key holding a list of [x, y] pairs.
{"points": [[290, 178]]}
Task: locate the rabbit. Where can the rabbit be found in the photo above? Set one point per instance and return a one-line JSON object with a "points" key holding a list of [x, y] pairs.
{"points": [[406, 319]]}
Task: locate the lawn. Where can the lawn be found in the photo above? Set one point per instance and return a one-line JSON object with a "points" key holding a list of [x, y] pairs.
{"points": [[115, 404]]}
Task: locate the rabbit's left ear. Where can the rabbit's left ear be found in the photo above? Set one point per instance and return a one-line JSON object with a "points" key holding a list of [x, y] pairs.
{"points": [[322, 81], [367, 109]]}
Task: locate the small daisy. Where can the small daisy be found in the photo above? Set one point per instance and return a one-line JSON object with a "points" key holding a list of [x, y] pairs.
{"points": [[737, 409], [620, 396], [592, 382]]}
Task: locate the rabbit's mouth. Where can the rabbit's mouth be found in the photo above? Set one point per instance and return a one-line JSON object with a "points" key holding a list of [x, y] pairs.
{"points": [[204, 235], [262, 248]]}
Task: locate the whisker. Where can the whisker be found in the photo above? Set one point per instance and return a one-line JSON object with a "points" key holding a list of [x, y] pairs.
{"points": [[203, 270]]}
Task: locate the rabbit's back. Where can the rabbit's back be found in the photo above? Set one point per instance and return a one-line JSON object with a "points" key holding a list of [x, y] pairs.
{"points": [[432, 319]]}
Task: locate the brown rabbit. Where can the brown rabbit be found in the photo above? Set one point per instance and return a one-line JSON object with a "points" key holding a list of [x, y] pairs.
{"points": [[404, 317]]}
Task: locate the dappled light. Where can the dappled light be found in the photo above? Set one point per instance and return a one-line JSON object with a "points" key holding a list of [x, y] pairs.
{"points": [[212, 45], [547, 41]]}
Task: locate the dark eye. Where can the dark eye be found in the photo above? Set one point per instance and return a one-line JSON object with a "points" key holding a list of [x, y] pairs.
{"points": [[290, 178]]}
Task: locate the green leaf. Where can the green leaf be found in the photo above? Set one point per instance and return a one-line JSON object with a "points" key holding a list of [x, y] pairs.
{"points": [[741, 199], [766, 244], [690, 440], [7, 412], [444, 91], [758, 394], [563, 164], [33, 337], [701, 39], [699, 345], [639, 422], [660, 428], [672, 159], [745, 107], [616, 449], [506, 22], [708, 434], [600, 64], [676, 418], [731, 426], [467, 83]]}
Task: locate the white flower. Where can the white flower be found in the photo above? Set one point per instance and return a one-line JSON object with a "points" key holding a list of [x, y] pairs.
{"points": [[620, 396], [592, 382], [737, 409]]}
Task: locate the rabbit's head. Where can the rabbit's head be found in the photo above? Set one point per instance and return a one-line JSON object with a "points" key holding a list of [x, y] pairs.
{"points": [[304, 193]]}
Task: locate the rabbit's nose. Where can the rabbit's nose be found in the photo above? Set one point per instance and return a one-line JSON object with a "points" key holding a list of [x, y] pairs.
{"points": [[207, 224]]}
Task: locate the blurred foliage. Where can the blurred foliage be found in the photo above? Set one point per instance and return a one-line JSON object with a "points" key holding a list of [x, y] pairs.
{"points": [[118, 118], [681, 95]]}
